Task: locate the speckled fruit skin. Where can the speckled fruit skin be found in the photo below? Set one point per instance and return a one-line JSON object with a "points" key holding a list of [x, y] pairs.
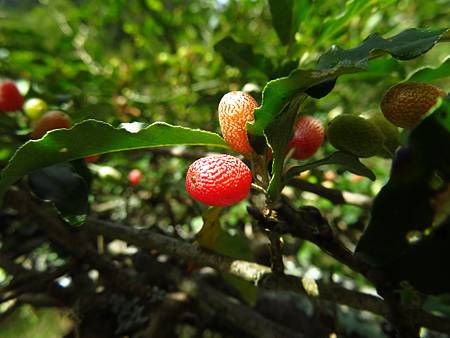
{"points": [[406, 103], [308, 137], [10, 98], [235, 110], [135, 176], [219, 180], [50, 120]]}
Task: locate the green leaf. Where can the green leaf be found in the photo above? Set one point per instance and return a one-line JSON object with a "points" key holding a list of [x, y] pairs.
{"points": [[407, 45], [242, 56], [67, 190], [93, 137], [348, 161], [209, 233], [277, 93], [213, 237], [428, 74], [284, 19], [278, 135]]}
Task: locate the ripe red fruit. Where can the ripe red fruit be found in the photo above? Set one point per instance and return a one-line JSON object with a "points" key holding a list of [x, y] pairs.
{"points": [[135, 176], [218, 180], [235, 110], [91, 159], [10, 98], [308, 137], [50, 120]]}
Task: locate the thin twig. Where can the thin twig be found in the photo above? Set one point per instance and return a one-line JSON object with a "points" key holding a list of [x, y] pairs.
{"points": [[333, 195]]}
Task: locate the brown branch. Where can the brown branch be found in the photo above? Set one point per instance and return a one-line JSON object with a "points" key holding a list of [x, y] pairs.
{"points": [[307, 223], [189, 252], [27, 281], [77, 244], [333, 195], [257, 273], [242, 316]]}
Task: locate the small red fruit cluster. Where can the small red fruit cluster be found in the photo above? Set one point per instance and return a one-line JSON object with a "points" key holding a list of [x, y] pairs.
{"points": [[10, 98], [223, 179]]}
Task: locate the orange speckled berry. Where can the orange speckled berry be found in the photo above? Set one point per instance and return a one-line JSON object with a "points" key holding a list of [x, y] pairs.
{"points": [[235, 110], [218, 180], [405, 104]]}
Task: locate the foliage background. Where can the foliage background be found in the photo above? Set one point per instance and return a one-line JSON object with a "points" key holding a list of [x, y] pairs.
{"points": [[148, 60]]}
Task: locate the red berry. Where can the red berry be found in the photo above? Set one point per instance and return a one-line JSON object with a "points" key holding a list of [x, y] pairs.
{"points": [[218, 180], [50, 120], [235, 110], [135, 176], [10, 98], [308, 137], [91, 159]]}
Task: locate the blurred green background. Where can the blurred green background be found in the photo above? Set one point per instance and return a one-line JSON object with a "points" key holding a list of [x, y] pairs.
{"points": [[148, 60]]}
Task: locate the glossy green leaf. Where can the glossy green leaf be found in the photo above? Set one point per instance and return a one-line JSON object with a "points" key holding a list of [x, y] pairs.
{"points": [[337, 61], [93, 137], [406, 45]]}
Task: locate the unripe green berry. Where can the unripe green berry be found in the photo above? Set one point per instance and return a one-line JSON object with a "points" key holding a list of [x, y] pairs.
{"points": [[34, 108], [355, 135], [391, 135]]}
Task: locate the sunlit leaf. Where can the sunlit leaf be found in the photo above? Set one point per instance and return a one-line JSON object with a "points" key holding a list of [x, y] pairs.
{"points": [[93, 137]]}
